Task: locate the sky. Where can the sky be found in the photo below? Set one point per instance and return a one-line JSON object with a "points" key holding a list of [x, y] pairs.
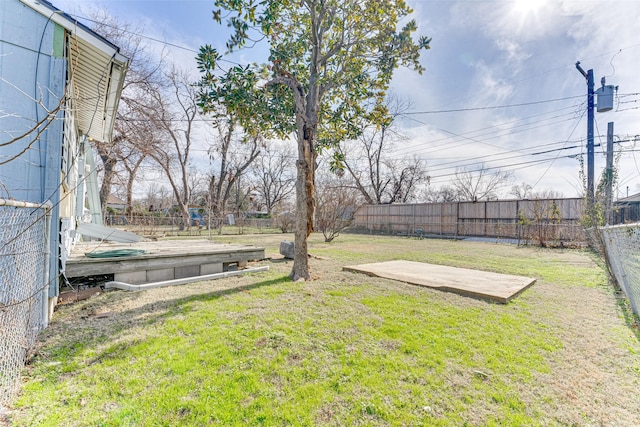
{"points": [[500, 91]]}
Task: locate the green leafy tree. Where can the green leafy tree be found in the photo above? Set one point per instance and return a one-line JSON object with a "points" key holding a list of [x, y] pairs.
{"points": [[330, 64]]}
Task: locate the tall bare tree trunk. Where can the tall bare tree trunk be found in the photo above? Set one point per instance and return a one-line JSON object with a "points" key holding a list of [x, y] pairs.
{"points": [[109, 162], [133, 171], [305, 203], [300, 270]]}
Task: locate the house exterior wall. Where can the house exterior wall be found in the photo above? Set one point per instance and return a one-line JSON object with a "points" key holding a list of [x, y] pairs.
{"points": [[32, 84], [625, 213]]}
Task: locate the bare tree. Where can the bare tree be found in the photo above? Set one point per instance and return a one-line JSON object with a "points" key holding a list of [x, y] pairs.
{"points": [[525, 191], [480, 184], [133, 154], [274, 174], [144, 77], [406, 175], [443, 194], [109, 161], [174, 113], [522, 191], [337, 205], [377, 173], [233, 152], [158, 197], [198, 187], [365, 164]]}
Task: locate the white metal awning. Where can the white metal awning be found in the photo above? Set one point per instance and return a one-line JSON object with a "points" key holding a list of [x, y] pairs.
{"points": [[96, 71], [97, 84]]}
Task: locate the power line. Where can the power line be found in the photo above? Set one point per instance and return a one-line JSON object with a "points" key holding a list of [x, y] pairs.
{"points": [[443, 166], [495, 107], [153, 39], [530, 162], [496, 134], [496, 129], [554, 160]]}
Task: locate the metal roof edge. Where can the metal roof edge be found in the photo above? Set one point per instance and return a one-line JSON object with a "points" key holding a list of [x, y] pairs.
{"points": [[634, 198], [113, 97], [77, 28]]}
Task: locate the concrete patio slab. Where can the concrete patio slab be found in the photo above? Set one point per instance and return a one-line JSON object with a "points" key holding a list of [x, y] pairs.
{"points": [[475, 283]]}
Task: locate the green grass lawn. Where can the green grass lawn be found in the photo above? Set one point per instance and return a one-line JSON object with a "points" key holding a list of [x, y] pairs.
{"points": [[343, 349]]}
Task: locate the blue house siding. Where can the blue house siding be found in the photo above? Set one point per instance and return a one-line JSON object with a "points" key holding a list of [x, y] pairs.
{"points": [[52, 169], [40, 161], [31, 72]]}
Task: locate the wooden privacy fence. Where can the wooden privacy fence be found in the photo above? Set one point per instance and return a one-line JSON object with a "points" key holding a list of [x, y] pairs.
{"points": [[541, 220]]}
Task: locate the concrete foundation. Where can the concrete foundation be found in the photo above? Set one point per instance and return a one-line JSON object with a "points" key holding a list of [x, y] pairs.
{"points": [[160, 275], [187, 271], [134, 277], [211, 268]]}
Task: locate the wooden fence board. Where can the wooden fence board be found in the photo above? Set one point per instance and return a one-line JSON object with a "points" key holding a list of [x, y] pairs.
{"points": [[500, 218]]}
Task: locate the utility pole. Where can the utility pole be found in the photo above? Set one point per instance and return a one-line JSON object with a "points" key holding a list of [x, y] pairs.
{"points": [[609, 174], [590, 162]]}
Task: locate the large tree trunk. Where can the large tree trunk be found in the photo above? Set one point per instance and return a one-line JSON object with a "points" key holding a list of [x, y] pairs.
{"points": [[129, 207], [300, 270], [307, 108], [109, 163], [133, 172], [305, 204]]}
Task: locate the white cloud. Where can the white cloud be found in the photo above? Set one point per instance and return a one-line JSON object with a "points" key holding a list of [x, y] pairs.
{"points": [[493, 89], [514, 51]]}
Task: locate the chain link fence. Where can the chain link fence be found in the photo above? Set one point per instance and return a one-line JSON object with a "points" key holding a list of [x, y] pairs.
{"points": [[175, 225], [24, 260], [621, 244]]}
